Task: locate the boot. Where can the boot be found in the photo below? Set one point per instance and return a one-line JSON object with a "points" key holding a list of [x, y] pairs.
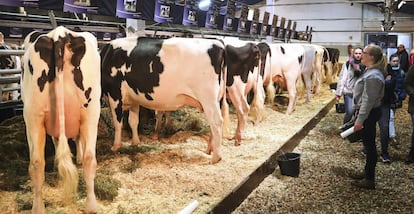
{"points": [[364, 183], [356, 175], [410, 157]]}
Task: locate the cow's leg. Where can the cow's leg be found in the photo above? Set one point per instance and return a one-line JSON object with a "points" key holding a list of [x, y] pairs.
{"points": [[257, 107], [133, 121], [271, 92], [36, 138], [88, 134], [291, 77], [242, 107], [307, 80], [318, 77], [158, 122], [79, 150], [117, 115], [215, 121]]}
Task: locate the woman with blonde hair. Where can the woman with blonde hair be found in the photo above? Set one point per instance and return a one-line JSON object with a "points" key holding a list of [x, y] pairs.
{"points": [[367, 100]]}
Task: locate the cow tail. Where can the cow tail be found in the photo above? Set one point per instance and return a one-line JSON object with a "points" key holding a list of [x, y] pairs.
{"points": [[67, 170], [224, 104]]}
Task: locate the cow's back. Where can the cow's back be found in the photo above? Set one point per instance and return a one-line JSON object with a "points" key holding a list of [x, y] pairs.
{"points": [[154, 73], [76, 56]]}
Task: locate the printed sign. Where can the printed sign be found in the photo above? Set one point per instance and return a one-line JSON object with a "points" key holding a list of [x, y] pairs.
{"points": [[80, 6], [229, 17], [130, 9], [164, 11], [212, 14], [243, 19], [190, 13]]}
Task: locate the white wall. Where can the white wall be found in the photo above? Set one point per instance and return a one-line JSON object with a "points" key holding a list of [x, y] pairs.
{"points": [[337, 22]]}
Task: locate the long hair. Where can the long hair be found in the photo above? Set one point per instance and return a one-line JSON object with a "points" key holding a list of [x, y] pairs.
{"points": [[380, 61]]}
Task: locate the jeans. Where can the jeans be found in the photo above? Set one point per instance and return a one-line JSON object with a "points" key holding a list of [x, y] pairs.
{"points": [[368, 139], [384, 123], [392, 123], [349, 112]]}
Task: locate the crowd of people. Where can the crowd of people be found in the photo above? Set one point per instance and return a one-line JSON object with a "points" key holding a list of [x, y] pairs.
{"points": [[373, 90]]}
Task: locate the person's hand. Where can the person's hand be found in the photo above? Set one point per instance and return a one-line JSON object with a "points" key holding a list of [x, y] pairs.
{"points": [[358, 126], [389, 77], [337, 97]]}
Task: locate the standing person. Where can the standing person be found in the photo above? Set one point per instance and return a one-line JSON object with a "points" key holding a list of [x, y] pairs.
{"points": [[387, 100], [398, 74], [412, 57], [350, 71], [403, 56], [368, 94], [409, 88]]}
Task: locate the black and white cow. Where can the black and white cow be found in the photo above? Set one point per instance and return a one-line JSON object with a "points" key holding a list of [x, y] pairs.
{"points": [[164, 75], [244, 75], [61, 94]]}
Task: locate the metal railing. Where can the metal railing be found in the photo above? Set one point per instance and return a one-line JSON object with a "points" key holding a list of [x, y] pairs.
{"points": [[7, 77]]}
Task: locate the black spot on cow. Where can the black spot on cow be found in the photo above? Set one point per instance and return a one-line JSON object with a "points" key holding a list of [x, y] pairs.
{"points": [[217, 55], [264, 50], [146, 66], [45, 78], [112, 58], [333, 55], [282, 50], [77, 45], [240, 61], [78, 77], [34, 36], [44, 45], [300, 59], [88, 93]]}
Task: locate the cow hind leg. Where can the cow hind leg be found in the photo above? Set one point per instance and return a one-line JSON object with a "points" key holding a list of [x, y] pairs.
{"points": [[158, 123], [88, 135], [117, 125], [36, 138], [215, 120], [133, 121]]}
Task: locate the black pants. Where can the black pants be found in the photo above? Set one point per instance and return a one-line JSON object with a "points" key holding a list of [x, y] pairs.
{"points": [[368, 139]]}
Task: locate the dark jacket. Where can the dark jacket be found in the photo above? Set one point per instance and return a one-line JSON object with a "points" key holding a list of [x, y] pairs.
{"points": [[404, 59], [409, 88], [399, 93]]}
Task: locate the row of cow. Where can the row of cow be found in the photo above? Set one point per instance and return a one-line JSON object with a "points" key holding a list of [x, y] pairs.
{"points": [[65, 76]]}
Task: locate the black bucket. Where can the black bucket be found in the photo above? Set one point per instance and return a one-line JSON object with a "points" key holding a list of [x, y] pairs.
{"points": [[289, 164]]}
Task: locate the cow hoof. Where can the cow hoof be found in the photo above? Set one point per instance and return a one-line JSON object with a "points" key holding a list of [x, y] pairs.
{"points": [[237, 143], [155, 137], [215, 160], [208, 151], [115, 148]]}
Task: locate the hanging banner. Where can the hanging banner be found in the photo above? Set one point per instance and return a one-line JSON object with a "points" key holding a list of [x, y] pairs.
{"points": [[243, 19], [190, 13], [80, 6], [265, 24], [164, 11], [129, 9], [274, 30], [212, 14], [255, 21], [229, 17]]}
